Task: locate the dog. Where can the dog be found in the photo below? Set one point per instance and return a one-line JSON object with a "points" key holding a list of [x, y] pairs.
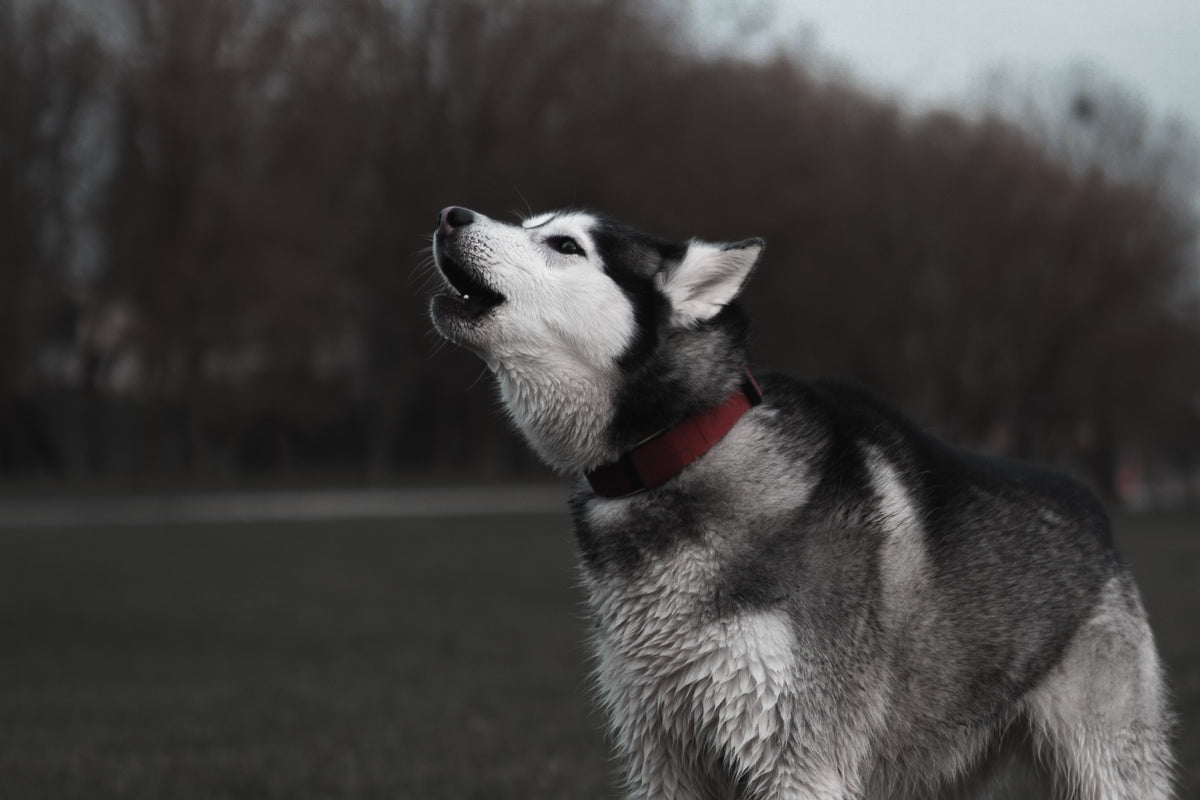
{"points": [[795, 591]]}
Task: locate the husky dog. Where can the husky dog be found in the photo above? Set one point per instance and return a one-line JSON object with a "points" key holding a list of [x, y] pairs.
{"points": [[797, 593]]}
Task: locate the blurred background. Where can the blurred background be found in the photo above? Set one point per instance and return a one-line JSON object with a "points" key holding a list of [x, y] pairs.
{"points": [[214, 222], [215, 216]]}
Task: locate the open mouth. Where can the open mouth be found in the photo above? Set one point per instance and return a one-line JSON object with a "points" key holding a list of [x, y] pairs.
{"points": [[473, 295]]}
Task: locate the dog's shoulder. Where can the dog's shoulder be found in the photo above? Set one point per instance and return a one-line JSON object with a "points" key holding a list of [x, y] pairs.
{"points": [[862, 448]]}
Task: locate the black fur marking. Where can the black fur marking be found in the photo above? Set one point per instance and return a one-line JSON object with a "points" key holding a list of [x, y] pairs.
{"points": [[670, 373], [662, 527], [692, 370], [631, 259], [1018, 554], [831, 542]]}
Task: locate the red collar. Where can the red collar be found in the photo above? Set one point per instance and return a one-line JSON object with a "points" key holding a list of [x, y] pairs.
{"points": [[665, 454]]}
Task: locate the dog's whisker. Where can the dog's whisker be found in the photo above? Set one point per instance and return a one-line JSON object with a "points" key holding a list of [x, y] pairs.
{"points": [[478, 378], [528, 208]]}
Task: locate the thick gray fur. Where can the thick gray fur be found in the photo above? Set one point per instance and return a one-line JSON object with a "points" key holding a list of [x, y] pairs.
{"points": [[831, 604], [958, 623]]}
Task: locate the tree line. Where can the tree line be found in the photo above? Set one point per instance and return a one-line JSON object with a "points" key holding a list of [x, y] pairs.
{"points": [[216, 215]]}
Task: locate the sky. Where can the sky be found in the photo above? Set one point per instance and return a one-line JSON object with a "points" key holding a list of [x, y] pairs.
{"points": [[940, 52]]}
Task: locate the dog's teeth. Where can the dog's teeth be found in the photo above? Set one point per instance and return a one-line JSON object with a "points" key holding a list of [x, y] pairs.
{"points": [[466, 297]]}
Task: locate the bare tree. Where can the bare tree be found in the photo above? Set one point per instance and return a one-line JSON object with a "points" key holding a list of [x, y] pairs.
{"points": [[45, 65], [203, 217], [277, 165], [42, 65]]}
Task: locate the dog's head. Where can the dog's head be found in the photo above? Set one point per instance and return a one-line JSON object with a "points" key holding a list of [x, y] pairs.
{"points": [[598, 334]]}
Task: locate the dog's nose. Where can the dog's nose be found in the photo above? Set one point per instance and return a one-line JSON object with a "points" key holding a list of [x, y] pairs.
{"points": [[454, 217]]}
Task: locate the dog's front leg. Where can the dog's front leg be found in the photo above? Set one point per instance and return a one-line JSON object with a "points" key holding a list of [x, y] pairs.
{"points": [[656, 771], [794, 774], [659, 771], [805, 784]]}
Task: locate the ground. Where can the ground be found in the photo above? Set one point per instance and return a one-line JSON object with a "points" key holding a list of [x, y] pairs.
{"points": [[398, 659]]}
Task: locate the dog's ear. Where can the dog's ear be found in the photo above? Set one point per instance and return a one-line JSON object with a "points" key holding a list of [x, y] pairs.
{"points": [[707, 277]]}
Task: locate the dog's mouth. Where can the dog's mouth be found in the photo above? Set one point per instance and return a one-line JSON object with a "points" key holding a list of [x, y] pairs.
{"points": [[466, 290]]}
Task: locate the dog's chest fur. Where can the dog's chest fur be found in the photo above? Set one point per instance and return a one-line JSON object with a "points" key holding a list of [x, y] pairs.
{"points": [[688, 676], [678, 678]]}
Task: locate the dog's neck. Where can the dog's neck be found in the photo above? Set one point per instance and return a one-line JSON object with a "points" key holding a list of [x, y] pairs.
{"points": [[662, 456], [564, 414], [578, 415]]}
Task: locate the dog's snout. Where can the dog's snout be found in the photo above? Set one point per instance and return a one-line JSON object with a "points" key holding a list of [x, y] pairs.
{"points": [[454, 217]]}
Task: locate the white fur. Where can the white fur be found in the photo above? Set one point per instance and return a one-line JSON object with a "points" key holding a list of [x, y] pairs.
{"points": [[778, 482], [555, 341], [708, 278], [904, 570], [1099, 713], [681, 688]]}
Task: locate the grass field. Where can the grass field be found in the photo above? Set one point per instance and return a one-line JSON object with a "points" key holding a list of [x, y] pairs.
{"points": [[402, 659]]}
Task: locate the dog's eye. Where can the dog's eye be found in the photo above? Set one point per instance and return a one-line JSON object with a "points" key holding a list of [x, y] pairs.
{"points": [[565, 245]]}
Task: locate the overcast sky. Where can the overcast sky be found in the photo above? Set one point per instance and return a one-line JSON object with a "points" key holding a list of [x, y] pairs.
{"points": [[938, 51]]}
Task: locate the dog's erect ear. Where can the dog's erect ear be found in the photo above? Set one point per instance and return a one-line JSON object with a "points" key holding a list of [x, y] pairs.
{"points": [[708, 277]]}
